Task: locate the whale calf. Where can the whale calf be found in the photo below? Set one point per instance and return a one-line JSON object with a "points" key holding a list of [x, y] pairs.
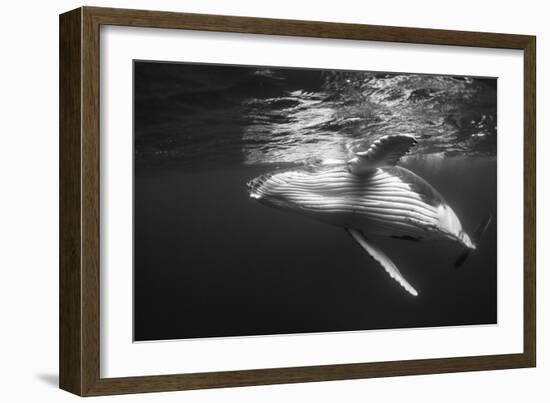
{"points": [[367, 195]]}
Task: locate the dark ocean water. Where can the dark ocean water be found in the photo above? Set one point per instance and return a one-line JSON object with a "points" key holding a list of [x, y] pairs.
{"points": [[209, 261]]}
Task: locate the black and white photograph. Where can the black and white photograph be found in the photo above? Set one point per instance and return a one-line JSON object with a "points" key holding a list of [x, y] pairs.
{"points": [[241, 201], [272, 200]]}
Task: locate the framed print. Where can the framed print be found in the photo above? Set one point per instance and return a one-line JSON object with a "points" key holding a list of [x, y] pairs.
{"points": [[249, 201]]}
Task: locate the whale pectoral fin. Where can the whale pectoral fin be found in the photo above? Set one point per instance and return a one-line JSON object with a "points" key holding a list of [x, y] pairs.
{"points": [[382, 259], [385, 151]]}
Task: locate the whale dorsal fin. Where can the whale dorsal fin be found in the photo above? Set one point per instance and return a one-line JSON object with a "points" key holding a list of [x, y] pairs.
{"points": [[382, 259], [385, 151]]}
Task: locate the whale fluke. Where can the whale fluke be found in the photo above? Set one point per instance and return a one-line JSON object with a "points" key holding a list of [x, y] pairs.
{"points": [[382, 259], [385, 151]]}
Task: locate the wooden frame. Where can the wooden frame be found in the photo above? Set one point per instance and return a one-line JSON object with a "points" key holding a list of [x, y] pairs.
{"points": [[79, 201]]}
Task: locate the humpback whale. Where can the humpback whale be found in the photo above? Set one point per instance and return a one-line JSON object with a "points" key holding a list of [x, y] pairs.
{"points": [[369, 195]]}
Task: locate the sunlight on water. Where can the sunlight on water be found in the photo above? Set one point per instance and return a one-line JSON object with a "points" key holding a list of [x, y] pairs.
{"points": [[224, 114], [446, 115]]}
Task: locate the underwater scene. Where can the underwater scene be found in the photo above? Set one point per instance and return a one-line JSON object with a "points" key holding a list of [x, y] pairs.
{"points": [[272, 200]]}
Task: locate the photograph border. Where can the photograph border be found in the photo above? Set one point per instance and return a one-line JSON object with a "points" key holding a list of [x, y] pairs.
{"points": [[79, 281]]}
